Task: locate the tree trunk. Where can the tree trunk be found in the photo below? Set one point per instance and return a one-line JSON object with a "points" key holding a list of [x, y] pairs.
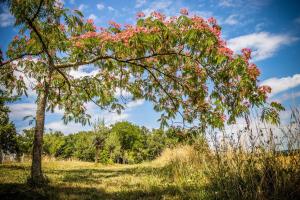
{"points": [[37, 177]]}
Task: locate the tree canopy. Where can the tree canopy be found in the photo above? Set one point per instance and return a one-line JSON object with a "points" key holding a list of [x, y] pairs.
{"points": [[181, 64]]}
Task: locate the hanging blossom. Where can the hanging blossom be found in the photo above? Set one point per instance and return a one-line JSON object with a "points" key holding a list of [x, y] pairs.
{"points": [[184, 11]]}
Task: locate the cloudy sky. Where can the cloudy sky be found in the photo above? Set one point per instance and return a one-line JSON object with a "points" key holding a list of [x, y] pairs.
{"points": [[271, 28]]}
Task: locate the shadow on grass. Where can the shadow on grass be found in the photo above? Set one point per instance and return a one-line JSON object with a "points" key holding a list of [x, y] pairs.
{"points": [[24, 192], [90, 178], [94, 176]]}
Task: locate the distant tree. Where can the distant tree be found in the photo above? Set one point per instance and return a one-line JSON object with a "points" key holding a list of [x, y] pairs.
{"points": [[130, 137], [25, 141], [169, 61], [113, 146], [8, 134], [53, 143], [101, 133]]}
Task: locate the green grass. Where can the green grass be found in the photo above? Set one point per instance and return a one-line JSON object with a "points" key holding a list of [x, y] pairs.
{"points": [[84, 180]]}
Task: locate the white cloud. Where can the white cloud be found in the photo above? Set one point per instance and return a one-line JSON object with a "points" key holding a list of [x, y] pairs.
{"points": [[92, 16], [20, 110], [205, 14], [82, 7], [282, 84], [65, 128], [110, 8], [136, 103], [231, 20], [140, 3], [242, 3], [263, 44], [82, 72], [100, 6], [163, 6], [226, 3], [6, 19], [287, 96]]}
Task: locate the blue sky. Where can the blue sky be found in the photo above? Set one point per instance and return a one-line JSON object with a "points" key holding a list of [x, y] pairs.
{"points": [[271, 28]]}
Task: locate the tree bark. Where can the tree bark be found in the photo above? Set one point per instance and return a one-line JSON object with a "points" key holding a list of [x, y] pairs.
{"points": [[37, 177]]}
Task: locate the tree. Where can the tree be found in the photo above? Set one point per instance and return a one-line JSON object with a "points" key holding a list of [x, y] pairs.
{"points": [[101, 133], [53, 143], [25, 141], [113, 147], [181, 64], [8, 133]]}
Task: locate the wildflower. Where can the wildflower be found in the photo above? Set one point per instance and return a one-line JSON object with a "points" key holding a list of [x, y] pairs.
{"points": [[184, 11]]}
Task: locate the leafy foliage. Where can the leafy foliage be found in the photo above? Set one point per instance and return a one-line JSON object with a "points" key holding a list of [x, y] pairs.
{"points": [[182, 65]]}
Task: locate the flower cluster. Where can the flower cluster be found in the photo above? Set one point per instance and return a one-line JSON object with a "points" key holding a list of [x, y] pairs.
{"points": [[140, 14], [265, 89], [90, 21], [246, 53], [253, 71], [184, 11], [158, 16], [225, 51], [212, 21], [114, 24]]}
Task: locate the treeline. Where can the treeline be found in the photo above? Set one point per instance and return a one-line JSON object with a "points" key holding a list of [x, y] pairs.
{"points": [[122, 142]]}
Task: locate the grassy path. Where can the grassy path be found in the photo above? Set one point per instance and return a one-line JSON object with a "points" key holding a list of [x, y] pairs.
{"points": [[83, 180]]}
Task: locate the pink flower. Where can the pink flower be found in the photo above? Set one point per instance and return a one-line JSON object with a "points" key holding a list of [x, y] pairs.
{"points": [[225, 51], [265, 89], [16, 37], [212, 20], [140, 14], [158, 15], [253, 71], [223, 118], [184, 11], [114, 24], [90, 21], [61, 27], [246, 53]]}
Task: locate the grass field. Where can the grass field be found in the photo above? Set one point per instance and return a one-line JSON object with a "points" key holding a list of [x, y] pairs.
{"points": [[186, 172], [83, 180]]}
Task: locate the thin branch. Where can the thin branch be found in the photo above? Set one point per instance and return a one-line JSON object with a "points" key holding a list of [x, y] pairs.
{"points": [[45, 48], [19, 57], [38, 11]]}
